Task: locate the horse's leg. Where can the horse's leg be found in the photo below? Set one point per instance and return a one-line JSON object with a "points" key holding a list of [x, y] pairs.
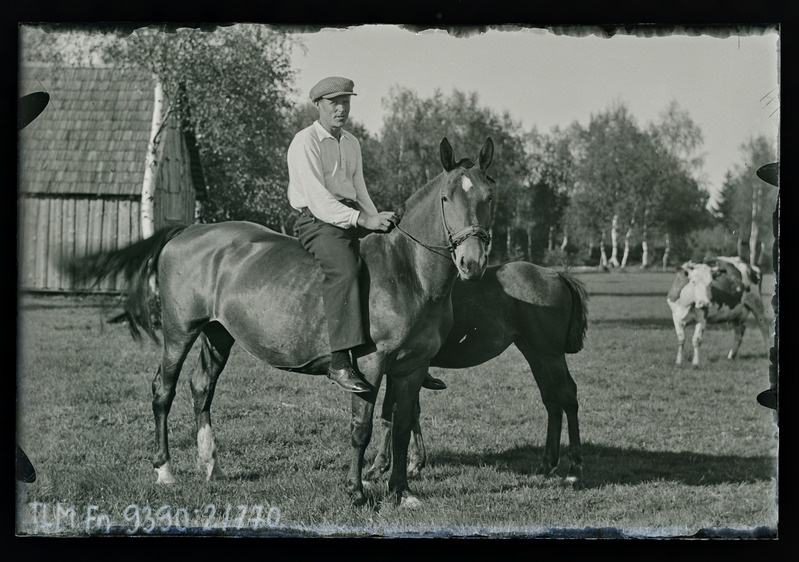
{"points": [[215, 350], [417, 456], [164, 384], [382, 462], [363, 407], [696, 341], [739, 328], [406, 391]]}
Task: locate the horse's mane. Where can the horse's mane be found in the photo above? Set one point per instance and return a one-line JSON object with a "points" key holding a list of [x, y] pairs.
{"points": [[425, 190], [420, 194]]}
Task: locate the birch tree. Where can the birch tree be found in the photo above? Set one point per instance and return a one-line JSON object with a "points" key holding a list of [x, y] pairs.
{"points": [[232, 86]]}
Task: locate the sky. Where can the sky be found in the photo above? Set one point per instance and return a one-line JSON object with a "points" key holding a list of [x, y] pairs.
{"points": [[729, 86]]}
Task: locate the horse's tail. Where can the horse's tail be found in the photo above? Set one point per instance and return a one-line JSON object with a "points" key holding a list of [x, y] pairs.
{"points": [[578, 323], [138, 264]]}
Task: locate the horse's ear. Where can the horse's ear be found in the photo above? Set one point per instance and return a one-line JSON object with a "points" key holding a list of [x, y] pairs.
{"points": [[447, 160], [486, 154]]}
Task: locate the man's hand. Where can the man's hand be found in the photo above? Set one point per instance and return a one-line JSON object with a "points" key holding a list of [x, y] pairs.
{"points": [[381, 222]]}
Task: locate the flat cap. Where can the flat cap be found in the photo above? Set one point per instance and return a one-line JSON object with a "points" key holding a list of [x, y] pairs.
{"points": [[331, 87]]}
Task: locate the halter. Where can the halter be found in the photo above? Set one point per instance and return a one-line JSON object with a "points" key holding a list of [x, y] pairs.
{"points": [[455, 240]]}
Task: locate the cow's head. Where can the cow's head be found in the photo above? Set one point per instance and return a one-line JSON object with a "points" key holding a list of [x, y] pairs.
{"points": [[699, 277]]}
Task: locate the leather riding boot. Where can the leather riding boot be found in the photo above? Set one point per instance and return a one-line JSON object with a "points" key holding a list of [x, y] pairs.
{"points": [[432, 383], [348, 379]]}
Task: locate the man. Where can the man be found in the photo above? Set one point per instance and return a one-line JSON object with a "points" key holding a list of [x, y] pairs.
{"points": [[326, 186]]}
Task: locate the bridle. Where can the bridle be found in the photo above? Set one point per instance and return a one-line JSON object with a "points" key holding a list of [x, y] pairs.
{"points": [[455, 240]]}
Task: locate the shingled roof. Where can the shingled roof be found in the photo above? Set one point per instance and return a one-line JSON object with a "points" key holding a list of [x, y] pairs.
{"points": [[92, 137]]}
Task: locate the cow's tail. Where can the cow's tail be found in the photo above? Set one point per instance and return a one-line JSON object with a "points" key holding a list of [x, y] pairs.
{"points": [[138, 266], [578, 323]]}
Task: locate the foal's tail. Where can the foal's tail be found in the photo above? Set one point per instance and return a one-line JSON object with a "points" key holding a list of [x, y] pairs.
{"points": [[138, 264], [578, 324]]}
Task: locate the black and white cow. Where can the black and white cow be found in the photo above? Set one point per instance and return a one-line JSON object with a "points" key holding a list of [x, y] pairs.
{"points": [[726, 290]]}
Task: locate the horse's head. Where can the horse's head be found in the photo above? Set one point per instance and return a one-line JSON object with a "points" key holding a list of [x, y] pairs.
{"points": [[467, 193]]}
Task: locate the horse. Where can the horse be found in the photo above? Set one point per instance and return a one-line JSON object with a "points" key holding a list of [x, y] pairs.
{"points": [[237, 281], [544, 313]]}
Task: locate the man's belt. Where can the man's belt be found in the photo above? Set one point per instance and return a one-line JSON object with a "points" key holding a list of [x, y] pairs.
{"points": [[348, 202]]}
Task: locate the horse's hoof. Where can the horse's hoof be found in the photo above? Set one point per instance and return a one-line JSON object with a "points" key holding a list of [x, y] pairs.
{"points": [[215, 473], [414, 472], [375, 472], [409, 501], [575, 475], [163, 475], [357, 499], [546, 470]]}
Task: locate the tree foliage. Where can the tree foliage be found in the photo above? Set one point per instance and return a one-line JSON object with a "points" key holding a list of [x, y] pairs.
{"points": [[233, 85]]}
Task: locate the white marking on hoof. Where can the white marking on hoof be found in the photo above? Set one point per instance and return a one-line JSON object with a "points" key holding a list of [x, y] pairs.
{"points": [[206, 452], [214, 472], [466, 184], [163, 474], [410, 502], [572, 480]]}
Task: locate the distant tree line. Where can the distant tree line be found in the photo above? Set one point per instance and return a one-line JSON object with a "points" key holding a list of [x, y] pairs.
{"points": [[612, 193]]}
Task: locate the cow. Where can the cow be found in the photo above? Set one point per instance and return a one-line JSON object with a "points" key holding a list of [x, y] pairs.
{"points": [[722, 290]]}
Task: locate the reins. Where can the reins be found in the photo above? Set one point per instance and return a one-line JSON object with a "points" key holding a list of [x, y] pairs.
{"points": [[454, 240]]}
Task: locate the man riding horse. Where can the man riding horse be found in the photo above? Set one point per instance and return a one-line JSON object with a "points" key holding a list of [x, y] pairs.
{"points": [[327, 188]]}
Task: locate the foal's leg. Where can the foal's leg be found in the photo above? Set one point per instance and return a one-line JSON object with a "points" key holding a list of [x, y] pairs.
{"points": [[382, 462], [363, 407], [164, 384], [551, 380], [571, 406], [417, 456], [215, 350]]}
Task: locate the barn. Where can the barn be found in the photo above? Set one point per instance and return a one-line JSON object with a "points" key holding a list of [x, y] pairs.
{"points": [[83, 166]]}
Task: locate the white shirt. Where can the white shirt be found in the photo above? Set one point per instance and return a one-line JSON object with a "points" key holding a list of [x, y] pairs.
{"points": [[323, 170]]}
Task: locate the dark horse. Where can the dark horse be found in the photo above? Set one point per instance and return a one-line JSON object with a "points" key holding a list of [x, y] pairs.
{"points": [[544, 313], [241, 282]]}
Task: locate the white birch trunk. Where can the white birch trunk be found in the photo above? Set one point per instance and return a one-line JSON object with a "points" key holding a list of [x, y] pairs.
{"points": [[614, 241], [666, 252], [150, 168], [644, 243], [603, 256], [529, 243], [565, 241], [626, 255]]}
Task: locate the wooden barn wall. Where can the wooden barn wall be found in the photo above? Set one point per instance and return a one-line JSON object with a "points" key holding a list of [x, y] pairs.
{"points": [[175, 197], [55, 228]]}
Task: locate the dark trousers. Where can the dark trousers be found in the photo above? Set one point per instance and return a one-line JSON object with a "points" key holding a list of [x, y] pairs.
{"points": [[336, 250]]}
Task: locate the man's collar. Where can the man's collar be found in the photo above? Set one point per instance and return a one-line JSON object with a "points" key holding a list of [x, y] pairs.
{"points": [[323, 133]]}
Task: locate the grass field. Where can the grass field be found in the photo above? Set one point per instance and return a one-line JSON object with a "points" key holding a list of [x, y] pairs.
{"points": [[668, 451]]}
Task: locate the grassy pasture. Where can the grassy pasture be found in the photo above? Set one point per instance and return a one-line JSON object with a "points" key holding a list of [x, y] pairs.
{"points": [[668, 451]]}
